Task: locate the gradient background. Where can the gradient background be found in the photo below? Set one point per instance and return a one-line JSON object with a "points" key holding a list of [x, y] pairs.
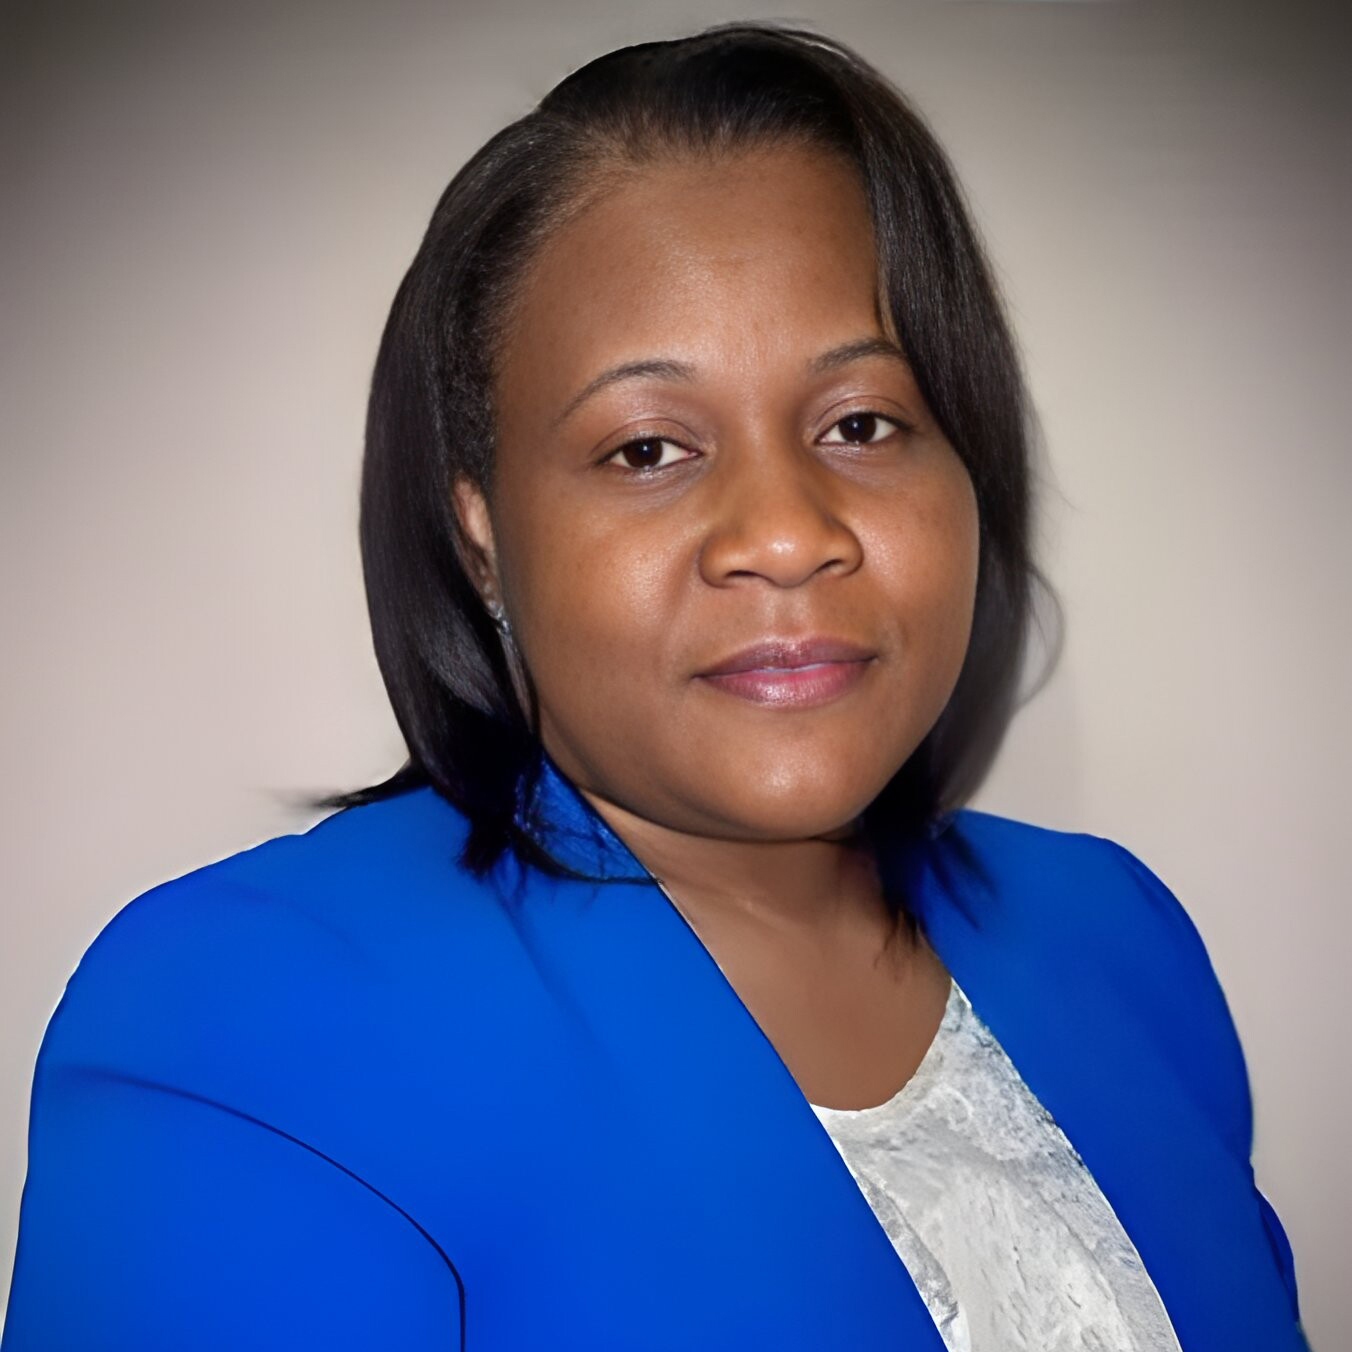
{"points": [[206, 211]]}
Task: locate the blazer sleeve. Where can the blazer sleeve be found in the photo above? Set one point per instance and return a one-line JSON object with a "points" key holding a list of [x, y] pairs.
{"points": [[154, 1218], [1213, 1047]]}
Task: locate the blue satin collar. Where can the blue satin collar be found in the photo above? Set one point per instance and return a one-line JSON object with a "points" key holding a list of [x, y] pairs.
{"points": [[564, 824]]}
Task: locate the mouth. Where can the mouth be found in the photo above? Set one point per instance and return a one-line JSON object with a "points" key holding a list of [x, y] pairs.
{"points": [[791, 673]]}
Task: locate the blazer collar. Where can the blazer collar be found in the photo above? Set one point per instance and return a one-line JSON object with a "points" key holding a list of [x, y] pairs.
{"points": [[555, 815]]}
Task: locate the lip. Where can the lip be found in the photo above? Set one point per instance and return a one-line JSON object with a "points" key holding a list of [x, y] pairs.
{"points": [[789, 653], [791, 673]]}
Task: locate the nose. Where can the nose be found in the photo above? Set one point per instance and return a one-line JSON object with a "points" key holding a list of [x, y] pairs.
{"points": [[776, 514]]}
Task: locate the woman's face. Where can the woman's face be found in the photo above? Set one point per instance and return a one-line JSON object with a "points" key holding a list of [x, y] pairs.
{"points": [[707, 441]]}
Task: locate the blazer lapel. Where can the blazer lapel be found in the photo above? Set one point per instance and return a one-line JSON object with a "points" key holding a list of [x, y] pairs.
{"points": [[1087, 1046], [766, 1222]]}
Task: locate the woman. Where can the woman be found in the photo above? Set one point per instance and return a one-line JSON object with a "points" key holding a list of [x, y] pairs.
{"points": [[668, 997]]}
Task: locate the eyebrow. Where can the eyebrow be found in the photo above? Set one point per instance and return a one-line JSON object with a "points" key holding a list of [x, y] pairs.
{"points": [[664, 368]]}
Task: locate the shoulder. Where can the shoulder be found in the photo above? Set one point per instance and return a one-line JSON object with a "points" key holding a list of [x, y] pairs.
{"points": [[1077, 885], [1077, 900], [257, 959]]}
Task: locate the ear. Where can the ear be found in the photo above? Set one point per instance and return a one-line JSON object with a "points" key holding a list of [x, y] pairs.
{"points": [[476, 529]]}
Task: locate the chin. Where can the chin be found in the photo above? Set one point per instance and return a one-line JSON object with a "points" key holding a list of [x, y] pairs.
{"points": [[799, 807]]}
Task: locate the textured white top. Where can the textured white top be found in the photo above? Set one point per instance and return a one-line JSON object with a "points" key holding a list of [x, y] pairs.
{"points": [[1005, 1233]]}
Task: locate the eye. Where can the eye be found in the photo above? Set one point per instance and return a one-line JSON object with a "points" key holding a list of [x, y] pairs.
{"points": [[862, 428], [645, 454]]}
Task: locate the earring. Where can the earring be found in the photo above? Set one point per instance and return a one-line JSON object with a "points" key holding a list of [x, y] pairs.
{"points": [[496, 610]]}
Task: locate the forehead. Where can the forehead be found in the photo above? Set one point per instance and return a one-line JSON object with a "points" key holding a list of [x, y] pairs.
{"points": [[753, 249]]}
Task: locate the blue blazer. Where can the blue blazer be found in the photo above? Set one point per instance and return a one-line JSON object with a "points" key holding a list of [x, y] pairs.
{"points": [[333, 1092]]}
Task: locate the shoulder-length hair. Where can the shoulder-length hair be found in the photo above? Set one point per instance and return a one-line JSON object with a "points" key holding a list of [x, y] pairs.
{"points": [[431, 411]]}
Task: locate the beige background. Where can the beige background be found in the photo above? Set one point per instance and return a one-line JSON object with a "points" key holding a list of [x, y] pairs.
{"points": [[206, 211]]}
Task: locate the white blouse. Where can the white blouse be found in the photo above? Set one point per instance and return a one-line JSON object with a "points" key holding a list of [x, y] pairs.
{"points": [[1007, 1236]]}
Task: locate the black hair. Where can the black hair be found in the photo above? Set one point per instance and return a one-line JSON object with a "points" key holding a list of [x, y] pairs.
{"points": [[431, 414]]}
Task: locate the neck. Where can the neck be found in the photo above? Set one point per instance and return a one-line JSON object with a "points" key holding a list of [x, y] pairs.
{"points": [[793, 886]]}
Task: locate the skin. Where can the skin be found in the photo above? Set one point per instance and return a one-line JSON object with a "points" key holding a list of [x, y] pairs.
{"points": [[653, 529]]}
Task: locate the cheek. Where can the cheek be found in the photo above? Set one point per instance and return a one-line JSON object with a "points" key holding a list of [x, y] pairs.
{"points": [[928, 548], [593, 602], [957, 553]]}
